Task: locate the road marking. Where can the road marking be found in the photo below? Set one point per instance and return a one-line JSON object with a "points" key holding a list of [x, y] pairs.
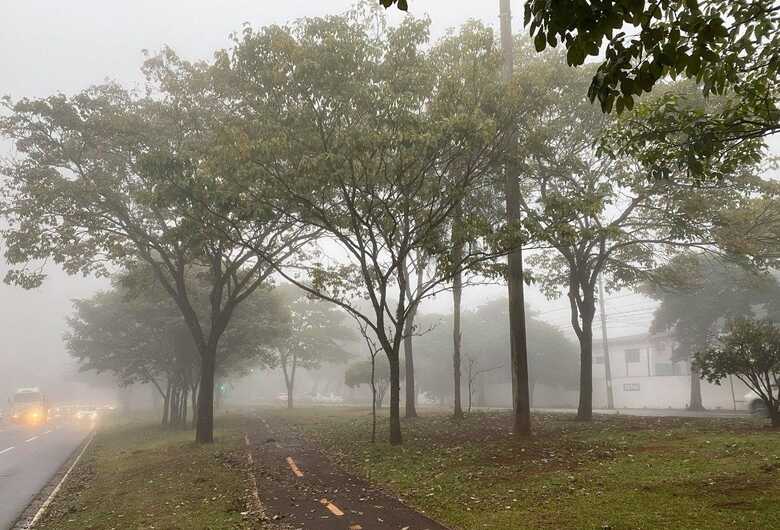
{"points": [[255, 505], [47, 432], [31, 439], [294, 467], [47, 502], [6, 450], [332, 507]]}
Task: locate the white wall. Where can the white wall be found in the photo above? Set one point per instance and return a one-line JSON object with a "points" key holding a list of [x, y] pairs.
{"points": [[660, 392]]}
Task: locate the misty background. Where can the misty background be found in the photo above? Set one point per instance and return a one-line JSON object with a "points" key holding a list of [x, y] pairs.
{"points": [[50, 46]]}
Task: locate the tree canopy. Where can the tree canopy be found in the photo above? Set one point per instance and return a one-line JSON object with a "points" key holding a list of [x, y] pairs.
{"points": [[750, 350], [108, 178]]}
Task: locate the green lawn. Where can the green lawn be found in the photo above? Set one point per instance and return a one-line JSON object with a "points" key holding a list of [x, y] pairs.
{"points": [[138, 475], [625, 472]]}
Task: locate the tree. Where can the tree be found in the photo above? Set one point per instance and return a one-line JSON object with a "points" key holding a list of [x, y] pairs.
{"points": [[594, 196], [138, 334], [752, 229], [698, 292], [750, 350], [107, 177], [552, 357], [316, 335], [474, 373], [365, 144], [521, 395], [731, 48], [728, 47], [360, 373], [721, 44], [417, 267]]}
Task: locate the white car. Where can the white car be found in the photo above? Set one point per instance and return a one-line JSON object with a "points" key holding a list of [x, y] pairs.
{"points": [[327, 398], [86, 413]]}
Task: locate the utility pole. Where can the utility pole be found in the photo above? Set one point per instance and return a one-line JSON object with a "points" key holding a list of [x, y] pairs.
{"points": [[604, 341], [521, 401]]}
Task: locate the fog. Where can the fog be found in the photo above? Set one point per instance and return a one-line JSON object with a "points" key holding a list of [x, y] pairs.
{"points": [[50, 46]]}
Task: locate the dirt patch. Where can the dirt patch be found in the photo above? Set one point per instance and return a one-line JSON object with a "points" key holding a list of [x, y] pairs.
{"points": [[320, 495]]}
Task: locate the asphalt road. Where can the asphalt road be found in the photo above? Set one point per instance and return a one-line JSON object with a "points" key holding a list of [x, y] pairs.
{"points": [[29, 458]]}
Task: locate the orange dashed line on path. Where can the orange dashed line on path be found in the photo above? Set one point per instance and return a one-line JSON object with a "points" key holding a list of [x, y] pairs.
{"points": [[332, 507], [294, 467]]}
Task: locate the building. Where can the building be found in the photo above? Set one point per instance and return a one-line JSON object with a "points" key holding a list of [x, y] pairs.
{"points": [[645, 375]]}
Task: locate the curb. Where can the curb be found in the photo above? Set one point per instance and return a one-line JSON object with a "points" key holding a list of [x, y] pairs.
{"points": [[25, 522]]}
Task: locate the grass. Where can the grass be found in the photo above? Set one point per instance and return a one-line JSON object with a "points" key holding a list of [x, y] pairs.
{"points": [[139, 475], [621, 472]]}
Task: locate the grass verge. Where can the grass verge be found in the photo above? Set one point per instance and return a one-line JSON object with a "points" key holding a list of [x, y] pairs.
{"points": [[621, 472], [139, 475]]}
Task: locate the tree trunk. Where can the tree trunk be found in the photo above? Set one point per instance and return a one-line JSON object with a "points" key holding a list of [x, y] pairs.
{"points": [[457, 293], [194, 404], [774, 415], [411, 396], [696, 402], [174, 414], [184, 397], [585, 408], [204, 428], [395, 399], [289, 380], [166, 405], [519, 353], [605, 347], [373, 398]]}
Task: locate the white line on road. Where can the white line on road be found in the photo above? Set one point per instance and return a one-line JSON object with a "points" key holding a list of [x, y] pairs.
{"points": [[6, 450], [31, 439], [53, 494], [47, 432]]}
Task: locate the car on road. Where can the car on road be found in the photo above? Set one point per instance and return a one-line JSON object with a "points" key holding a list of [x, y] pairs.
{"points": [[28, 406], [86, 414]]}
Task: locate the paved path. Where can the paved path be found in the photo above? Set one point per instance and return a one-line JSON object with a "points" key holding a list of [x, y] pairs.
{"points": [[29, 458], [302, 489]]}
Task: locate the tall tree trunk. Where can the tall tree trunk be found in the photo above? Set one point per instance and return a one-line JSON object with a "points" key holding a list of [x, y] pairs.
{"points": [[166, 405], [373, 398], [410, 387], [174, 406], [194, 404], [411, 396], [585, 408], [204, 429], [184, 397], [457, 293], [696, 402], [605, 346], [395, 399], [519, 353], [289, 379]]}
